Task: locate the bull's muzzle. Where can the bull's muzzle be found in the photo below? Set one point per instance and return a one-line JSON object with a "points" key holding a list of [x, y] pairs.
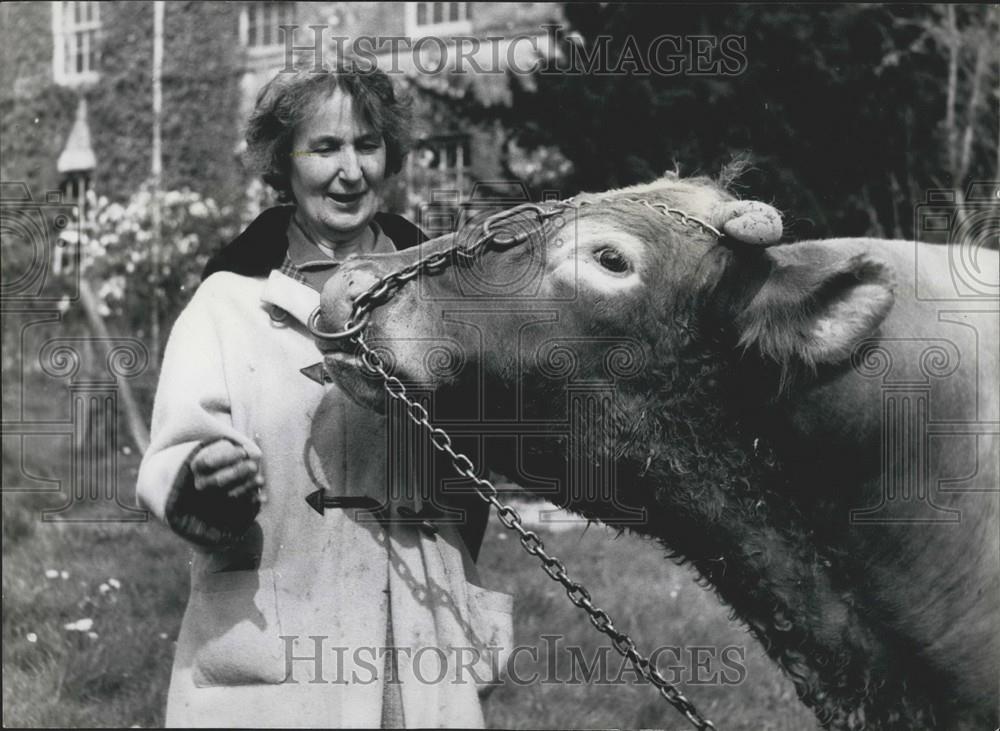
{"points": [[349, 280]]}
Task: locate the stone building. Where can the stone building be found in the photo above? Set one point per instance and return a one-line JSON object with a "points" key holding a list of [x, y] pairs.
{"points": [[76, 86]]}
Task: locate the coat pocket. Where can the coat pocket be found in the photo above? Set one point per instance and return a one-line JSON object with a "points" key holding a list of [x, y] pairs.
{"points": [[492, 623], [234, 619]]}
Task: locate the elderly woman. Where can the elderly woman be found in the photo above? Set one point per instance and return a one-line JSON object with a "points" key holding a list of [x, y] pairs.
{"points": [[336, 611]]}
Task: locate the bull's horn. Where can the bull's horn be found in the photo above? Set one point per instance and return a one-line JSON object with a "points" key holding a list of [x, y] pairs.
{"points": [[751, 222]]}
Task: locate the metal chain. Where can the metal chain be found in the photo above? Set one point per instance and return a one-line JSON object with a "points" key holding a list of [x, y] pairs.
{"points": [[381, 291], [532, 544]]}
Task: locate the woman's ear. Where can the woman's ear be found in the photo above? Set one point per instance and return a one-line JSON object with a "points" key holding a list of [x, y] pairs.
{"points": [[751, 222]]}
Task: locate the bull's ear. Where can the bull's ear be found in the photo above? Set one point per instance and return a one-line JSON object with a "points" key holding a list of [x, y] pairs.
{"points": [[817, 301], [751, 222]]}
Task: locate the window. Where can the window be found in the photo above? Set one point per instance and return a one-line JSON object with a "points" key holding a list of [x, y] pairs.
{"points": [[76, 30], [260, 23], [442, 163], [74, 186], [446, 154], [423, 18]]}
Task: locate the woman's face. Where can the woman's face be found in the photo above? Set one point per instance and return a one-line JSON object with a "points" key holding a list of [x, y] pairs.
{"points": [[337, 170]]}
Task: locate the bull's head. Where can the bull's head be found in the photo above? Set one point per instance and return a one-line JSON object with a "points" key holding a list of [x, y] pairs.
{"points": [[622, 299]]}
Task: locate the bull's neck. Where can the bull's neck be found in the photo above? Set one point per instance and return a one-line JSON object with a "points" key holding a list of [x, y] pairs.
{"points": [[723, 503]]}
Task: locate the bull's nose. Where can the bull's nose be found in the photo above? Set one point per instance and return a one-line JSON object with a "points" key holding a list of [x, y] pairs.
{"points": [[347, 282]]}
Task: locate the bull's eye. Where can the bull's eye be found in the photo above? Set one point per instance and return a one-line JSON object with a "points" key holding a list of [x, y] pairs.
{"points": [[613, 261]]}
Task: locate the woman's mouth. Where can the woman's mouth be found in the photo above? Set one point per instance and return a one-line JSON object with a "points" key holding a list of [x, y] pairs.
{"points": [[346, 199]]}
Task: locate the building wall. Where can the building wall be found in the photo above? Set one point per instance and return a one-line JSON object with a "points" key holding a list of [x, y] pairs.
{"points": [[210, 82], [201, 72], [35, 114]]}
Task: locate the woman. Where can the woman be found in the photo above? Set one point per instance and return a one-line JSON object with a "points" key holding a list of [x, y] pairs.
{"points": [[332, 612]]}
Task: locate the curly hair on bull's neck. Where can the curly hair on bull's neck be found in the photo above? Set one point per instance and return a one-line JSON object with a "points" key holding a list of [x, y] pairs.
{"points": [[289, 98]]}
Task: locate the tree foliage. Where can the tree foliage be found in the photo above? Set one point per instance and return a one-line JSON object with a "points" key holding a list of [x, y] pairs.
{"points": [[850, 113]]}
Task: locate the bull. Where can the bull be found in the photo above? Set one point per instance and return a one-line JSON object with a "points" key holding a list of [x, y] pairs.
{"points": [[812, 426]]}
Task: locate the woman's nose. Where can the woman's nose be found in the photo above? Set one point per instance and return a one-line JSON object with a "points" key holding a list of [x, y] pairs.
{"points": [[350, 166]]}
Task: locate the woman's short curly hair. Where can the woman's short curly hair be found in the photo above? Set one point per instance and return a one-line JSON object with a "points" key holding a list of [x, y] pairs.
{"points": [[288, 99]]}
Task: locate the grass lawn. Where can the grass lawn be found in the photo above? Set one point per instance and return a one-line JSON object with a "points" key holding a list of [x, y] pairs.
{"points": [[113, 671]]}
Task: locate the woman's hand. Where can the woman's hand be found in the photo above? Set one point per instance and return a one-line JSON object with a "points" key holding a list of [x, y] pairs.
{"points": [[225, 467], [222, 500]]}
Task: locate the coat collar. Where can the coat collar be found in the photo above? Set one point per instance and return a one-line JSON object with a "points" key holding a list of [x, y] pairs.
{"points": [[289, 295], [262, 247]]}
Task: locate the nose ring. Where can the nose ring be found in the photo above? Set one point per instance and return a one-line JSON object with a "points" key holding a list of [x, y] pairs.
{"points": [[349, 332]]}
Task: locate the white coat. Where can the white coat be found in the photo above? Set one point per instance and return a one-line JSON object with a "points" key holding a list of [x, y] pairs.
{"points": [[284, 627]]}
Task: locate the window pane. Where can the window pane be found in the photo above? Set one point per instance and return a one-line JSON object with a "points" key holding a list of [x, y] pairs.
{"points": [[438, 12], [468, 11], [92, 45], [267, 13], [421, 13], [453, 11]]}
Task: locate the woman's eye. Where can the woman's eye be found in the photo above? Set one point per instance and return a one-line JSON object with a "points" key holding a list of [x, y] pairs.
{"points": [[613, 261]]}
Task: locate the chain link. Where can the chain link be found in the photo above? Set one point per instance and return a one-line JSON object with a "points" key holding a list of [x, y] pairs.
{"points": [[381, 291]]}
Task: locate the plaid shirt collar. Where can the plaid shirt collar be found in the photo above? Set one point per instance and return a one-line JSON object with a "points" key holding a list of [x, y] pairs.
{"points": [[293, 289], [307, 263]]}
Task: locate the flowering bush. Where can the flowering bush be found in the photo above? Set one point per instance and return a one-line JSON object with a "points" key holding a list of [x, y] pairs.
{"points": [[129, 273]]}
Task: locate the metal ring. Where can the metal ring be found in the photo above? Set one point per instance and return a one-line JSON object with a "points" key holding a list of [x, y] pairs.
{"points": [[510, 239], [348, 332], [509, 213]]}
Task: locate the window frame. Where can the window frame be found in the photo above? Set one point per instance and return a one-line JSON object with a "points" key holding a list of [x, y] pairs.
{"points": [[451, 154], [254, 17], [67, 34], [415, 27]]}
